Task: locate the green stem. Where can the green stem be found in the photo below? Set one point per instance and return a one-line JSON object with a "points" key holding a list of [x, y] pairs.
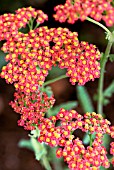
{"points": [[103, 64], [99, 24], [56, 79], [30, 24], [57, 163], [101, 79], [36, 25], [45, 163]]}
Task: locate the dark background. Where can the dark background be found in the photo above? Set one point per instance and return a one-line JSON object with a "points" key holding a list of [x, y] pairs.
{"points": [[11, 156]]}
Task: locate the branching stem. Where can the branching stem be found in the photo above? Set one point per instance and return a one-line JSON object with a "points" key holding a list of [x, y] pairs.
{"points": [[101, 79], [54, 80], [99, 24]]}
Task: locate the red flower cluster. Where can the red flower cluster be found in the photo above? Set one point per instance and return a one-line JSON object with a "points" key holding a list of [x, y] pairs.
{"points": [[32, 108], [11, 23], [73, 10], [56, 135], [33, 54], [23, 15], [58, 131]]}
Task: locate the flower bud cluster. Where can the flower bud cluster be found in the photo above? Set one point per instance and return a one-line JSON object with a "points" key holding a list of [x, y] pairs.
{"points": [[31, 107], [73, 10]]}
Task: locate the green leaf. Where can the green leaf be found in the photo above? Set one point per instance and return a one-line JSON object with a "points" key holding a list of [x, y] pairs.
{"points": [[37, 68], [106, 141], [24, 30], [57, 163], [95, 97], [25, 144], [2, 59], [33, 144], [111, 57], [48, 91], [105, 102], [39, 148], [109, 91], [102, 168], [86, 139], [84, 99], [56, 72], [67, 106], [107, 94]]}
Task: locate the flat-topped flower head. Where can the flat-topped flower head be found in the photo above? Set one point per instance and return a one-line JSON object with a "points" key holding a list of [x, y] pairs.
{"points": [[73, 10], [72, 148], [11, 23], [33, 54], [96, 123]]}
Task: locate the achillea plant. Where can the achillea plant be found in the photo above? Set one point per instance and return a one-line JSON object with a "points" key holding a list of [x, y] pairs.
{"points": [[32, 54]]}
